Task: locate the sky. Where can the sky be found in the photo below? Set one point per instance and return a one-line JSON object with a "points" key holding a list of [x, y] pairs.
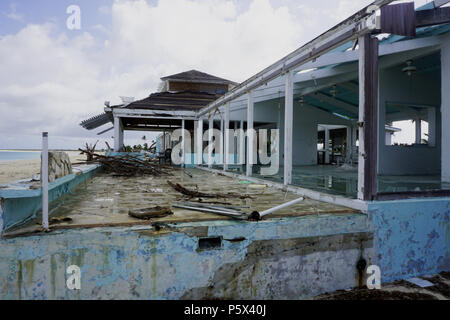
{"points": [[53, 77]]}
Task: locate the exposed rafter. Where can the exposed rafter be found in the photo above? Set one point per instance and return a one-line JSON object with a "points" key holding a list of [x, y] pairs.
{"points": [[338, 103]]}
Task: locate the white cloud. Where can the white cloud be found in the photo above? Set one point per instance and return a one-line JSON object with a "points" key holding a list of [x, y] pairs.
{"points": [[55, 81], [52, 80]]}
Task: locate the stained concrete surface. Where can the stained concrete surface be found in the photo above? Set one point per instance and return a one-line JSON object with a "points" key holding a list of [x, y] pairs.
{"points": [[106, 200]]}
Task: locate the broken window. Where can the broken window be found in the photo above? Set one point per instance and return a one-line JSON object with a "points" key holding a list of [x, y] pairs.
{"points": [[409, 125]]}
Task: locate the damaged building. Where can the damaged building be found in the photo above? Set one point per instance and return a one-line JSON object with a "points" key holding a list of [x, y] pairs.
{"points": [[334, 108]]}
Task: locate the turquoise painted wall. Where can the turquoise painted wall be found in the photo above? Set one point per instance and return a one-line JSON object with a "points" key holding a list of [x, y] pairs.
{"points": [[412, 237], [21, 205], [275, 259]]}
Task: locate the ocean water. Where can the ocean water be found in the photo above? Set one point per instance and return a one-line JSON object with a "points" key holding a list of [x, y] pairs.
{"points": [[19, 155]]}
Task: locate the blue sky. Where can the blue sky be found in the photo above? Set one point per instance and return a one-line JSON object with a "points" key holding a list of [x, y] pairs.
{"points": [[16, 14], [53, 77]]}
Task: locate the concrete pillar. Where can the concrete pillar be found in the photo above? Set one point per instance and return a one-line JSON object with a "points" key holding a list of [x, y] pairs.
{"points": [[199, 138], [326, 145], [348, 147], [183, 141], [354, 153], [118, 134], [227, 137], [221, 144], [250, 135], [241, 149], [418, 131], [432, 126], [445, 110], [210, 140], [288, 127], [164, 141]]}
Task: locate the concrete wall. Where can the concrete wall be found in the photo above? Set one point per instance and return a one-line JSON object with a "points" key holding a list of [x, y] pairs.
{"points": [[289, 258], [412, 237], [424, 89], [19, 205]]}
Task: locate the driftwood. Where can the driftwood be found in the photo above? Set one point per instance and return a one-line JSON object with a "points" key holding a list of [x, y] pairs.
{"points": [[90, 149], [148, 213], [128, 165], [196, 194]]}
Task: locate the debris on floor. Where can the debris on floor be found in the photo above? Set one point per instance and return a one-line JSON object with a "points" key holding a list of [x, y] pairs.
{"points": [[196, 194], [148, 213], [128, 165]]}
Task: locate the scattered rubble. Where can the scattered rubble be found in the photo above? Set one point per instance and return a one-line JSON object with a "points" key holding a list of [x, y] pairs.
{"points": [[128, 165], [197, 194], [148, 213]]}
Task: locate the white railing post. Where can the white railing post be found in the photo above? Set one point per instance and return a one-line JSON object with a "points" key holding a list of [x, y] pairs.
{"points": [[183, 158], [44, 179], [250, 135], [227, 137], [288, 127]]}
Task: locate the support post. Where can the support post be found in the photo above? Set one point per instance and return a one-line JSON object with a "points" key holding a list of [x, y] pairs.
{"points": [[44, 179], [445, 110], [326, 145], [221, 142], [348, 146], [183, 157], [288, 127], [200, 141], [418, 131], [354, 152], [227, 137], [210, 140], [241, 155], [368, 117], [250, 135], [164, 141], [118, 134]]}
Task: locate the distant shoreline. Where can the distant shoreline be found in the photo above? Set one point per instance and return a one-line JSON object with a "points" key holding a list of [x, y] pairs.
{"points": [[32, 150]]}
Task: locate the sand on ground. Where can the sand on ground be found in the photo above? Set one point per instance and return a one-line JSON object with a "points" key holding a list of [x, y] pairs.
{"points": [[22, 169]]}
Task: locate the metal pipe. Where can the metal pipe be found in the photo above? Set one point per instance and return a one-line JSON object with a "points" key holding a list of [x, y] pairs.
{"points": [[44, 179], [235, 215], [258, 215]]}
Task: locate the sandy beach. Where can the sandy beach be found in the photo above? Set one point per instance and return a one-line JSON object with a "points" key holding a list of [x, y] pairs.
{"points": [[22, 169]]}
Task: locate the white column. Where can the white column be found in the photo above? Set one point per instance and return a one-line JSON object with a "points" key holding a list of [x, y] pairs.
{"points": [[118, 134], [200, 141], [210, 140], [326, 145], [431, 126], [353, 155], [241, 155], [44, 179], [250, 135], [445, 110], [418, 131], [349, 144], [288, 127], [164, 141], [227, 137], [221, 155], [183, 157]]}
